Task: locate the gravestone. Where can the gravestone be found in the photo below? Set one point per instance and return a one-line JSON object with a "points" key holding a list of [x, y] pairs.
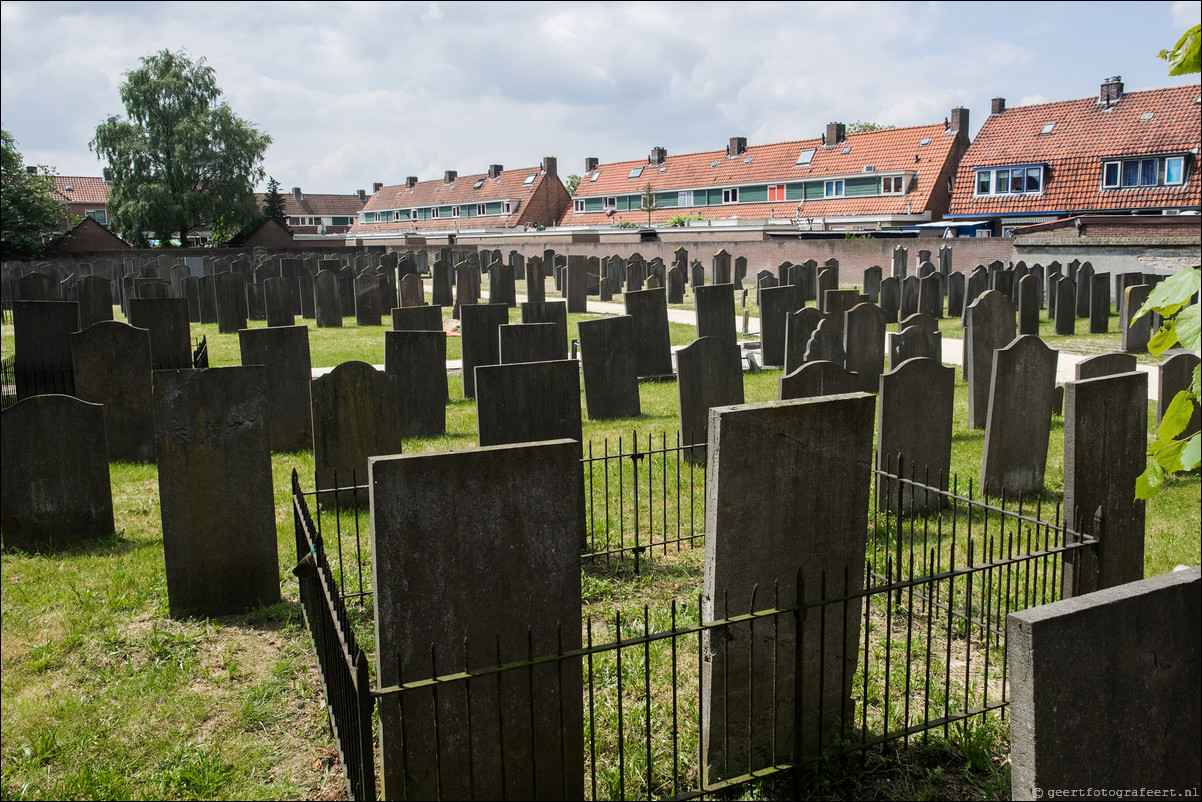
{"points": [[914, 433], [945, 260], [42, 346], [872, 283], [653, 349], [440, 285], [1084, 280], [909, 296], [502, 287], [820, 377], [368, 310], [230, 292], [914, 342], [709, 374], [721, 270], [775, 305], [528, 402], [278, 302], [1099, 365], [826, 343], [479, 340], [530, 342], [636, 273], [1100, 473], [716, 311], [576, 285], [166, 319], [256, 302], [215, 491], [1020, 418], [438, 579], [828, 279], [550, 312], [1174, 375], [799, 327], [283, 351], [609, 367], [536, 282], [930, 295], [890, 299], [1002, 281], [1136, 333], [764, 278], [864, 344], [95, 299], [417, 359], [1099, 304], [417, 318], [899, 262], [838, 302], [55, 489], [413, 291], [990, 326], [809, 281], [111, 362], [1028, 306], [36, 286], [924, 322], [976, 285], [676, 283], [1066, 313], [356, 415], [192, 293], [327, 302], [816, 453]]}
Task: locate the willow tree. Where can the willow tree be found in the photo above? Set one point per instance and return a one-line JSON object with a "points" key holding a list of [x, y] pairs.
{"points": [[180, 157]]}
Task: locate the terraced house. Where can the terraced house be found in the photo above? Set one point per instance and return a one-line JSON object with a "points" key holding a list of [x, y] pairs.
{"points": [[499, 199], [839, 181], [312, 216], [1116, 153]]}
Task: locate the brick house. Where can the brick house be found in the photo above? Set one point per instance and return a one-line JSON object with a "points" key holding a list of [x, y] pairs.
{"points": [[310, 216], [499, 199], [1117, 153], [838, 181], [84, 196]]}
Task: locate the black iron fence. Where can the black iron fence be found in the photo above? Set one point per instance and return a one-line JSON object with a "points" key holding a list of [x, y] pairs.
{"points": [[675, 702]]}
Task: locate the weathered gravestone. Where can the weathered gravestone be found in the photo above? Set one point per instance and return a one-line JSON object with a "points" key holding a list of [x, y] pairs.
{"points": [[775, 305], [368, 309], [1175, 375], [799, 328], [609, 367], [1066, 313], [864, 344], [536, 283], [494, 583], [413, 291], [955, 295], [1028, 306], [816, 378], [502, 285], [479, 340], [1135, 333], [817, 453], [636, 273], [278, 300], [930, 294], [676, 283], [899, 260], [1084, 279], [215, 491], [990, 326], [530, 342], [36, 286], [1100, 473], [1020, 417], [55, 489], [909, 296], [721, 268], [327, 299], [441, 285], [1099, 303], [709, 374], [42, 346], [95, 299], [356, 415], [528, 402], [1135, 723], [283, 351], [170, 332], [914, 342], [872, 283], [716, 312], [890, 299], [828, 280], [417, 318], [653, 348], [111, 361], [914, 434], [550, 312], [230, 292], [418, 362], [1099, 365], [763, 279]]}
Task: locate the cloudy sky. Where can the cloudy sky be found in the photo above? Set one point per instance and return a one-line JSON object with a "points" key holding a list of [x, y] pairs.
{"points": [[356, 93]]}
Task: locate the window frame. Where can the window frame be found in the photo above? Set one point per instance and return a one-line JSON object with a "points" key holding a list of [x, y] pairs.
{"points": [[578, 206], [893, 185], [96, 214], [776, 193], [730, 195], [684, 198], [1029, 179], [833, 188], [1143, 172]]}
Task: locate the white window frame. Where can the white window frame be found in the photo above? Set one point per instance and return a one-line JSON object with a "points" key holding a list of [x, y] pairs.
{"points": [[995, 189], [779, 190], [454, 211], [506, 207], [481, 209], [893, 185], [684, 198], [833, 188], [1159, 164], [1180, 160], [434, 213], [730, 195], [97, 214], [578, 206], [609, 203], [805, 157]]}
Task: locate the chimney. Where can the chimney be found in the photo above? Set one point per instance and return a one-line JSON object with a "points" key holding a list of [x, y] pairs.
{"points": [[835, 133], [296, 194], [1112, 90], [32, 169], [737, 146], [959, 120], [449, 177], [376, 187], [108, 175], [550, 166], [494, 170], [590, 163], [362, 195], [997, 105], [658, 155], [410, 182]]}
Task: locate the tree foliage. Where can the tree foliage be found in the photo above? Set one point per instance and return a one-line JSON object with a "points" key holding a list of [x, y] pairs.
{"points": [[573, 182], [273, 204], [1186, 56], [181, 157], [33, 219], [648, 203], [860, 126]]}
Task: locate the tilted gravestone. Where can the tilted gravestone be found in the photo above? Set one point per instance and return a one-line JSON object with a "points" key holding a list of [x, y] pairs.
{"points": [[817, 453], [976, 286], [215, 491], [479, 340], [42, 346], [709, 374], [914, 433], [283, 351], [170, 332], [716, 311], [438, 579], [327, 300], [609, 367], [813, 379], [111, 361], [528, 402], [1175, 375], [55, 489], [418, 361], [529, 342], [775, 305], [653, 348], [1099, 365], [799, 327], [864, 344], [990, 326], [549, 312], [417, 318], [1020, 417]]}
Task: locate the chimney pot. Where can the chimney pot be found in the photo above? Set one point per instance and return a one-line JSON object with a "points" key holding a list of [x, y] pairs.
{"points": [[959, 120], [376, 187], [550, 166], [494, 170], [997, 105], [835, 133], [737, 146], [658, 155], [362, 195], [590, 163], [296, 193], [1112, 90], [449, 177]]}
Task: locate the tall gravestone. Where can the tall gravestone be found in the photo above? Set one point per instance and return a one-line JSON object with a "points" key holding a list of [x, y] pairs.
{"points": [[872, 283], [930, 294], [1175, 375], [438, 579], [42, 346], [418, 362], [550, 312], [799, 327], [413, 292], [609, 367], [1028, 306], [94, 295], [1020, 417], [536, 281], [816, 453], [55, 489], [230, 292], [327, 301], [441, 285], [283, 351], [775, 305], [170, 332], [278, 302], [864, 344], [1135, 333], [716, 311], [914, 433], [576, 291], [479, 340], [990, 326], [1066, 311], [528, 402], [709, 374], [653, 348], [828, 279], [955, 295], [215, 491], [502, 285], [721, 268], [1099, 303], [368, 310], [890, 299], [111, 361]]}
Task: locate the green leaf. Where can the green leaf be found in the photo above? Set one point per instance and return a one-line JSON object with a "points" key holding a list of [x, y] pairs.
{"points": [[1176, 417], [1191, 455], [1173, 293], [1149, 482], [1189, 327], [1162, 340], [1196, 387], [1168, 457], [1186, 56]]}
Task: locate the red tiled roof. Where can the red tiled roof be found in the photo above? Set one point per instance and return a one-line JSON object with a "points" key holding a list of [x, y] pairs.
{"points": [[887, 150], [83, 189], [319, 205], [1086, 132]]}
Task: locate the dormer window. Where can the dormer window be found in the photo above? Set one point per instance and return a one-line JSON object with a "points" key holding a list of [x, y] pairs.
{"points": [[578, 206], [1027, 179], [776, 193], [730, 195], [481, 210], [1151, 171], [833, 189], [893, 185]]}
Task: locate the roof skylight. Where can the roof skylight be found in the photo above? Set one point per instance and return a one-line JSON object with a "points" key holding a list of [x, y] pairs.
{"points": [[1147, 115], [847, 149], [636, 172], [596, 175], [1047, 128], [530, 179], [478, 184], [806, 156], [713, 164], [747, 160], [664, 169], [926, 141]]}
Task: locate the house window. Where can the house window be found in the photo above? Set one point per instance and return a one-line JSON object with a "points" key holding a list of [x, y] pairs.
{"points": [[892, 185], [529, 179], [684, 198], [99, 215], [1146, 172], [368, 217], [1010, 181], [505, 207], [1047, 128], [481, 209], [834, 189], [385, 217], [730, 195], [578, 206], [434, 213], [609, 203], [454, 211], [776, 192]]}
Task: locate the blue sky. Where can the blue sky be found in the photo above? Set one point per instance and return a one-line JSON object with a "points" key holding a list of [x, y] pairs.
{"points": [[357, 93]]}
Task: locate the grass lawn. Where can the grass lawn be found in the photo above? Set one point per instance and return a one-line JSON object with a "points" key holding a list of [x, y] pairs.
{"points": [[105, 697]]}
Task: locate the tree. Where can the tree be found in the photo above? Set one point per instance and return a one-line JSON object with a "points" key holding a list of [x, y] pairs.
{"points": [[33, 220], [181, 158], [273, 204], [648, 203], [573, 182], [860, 127]]}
